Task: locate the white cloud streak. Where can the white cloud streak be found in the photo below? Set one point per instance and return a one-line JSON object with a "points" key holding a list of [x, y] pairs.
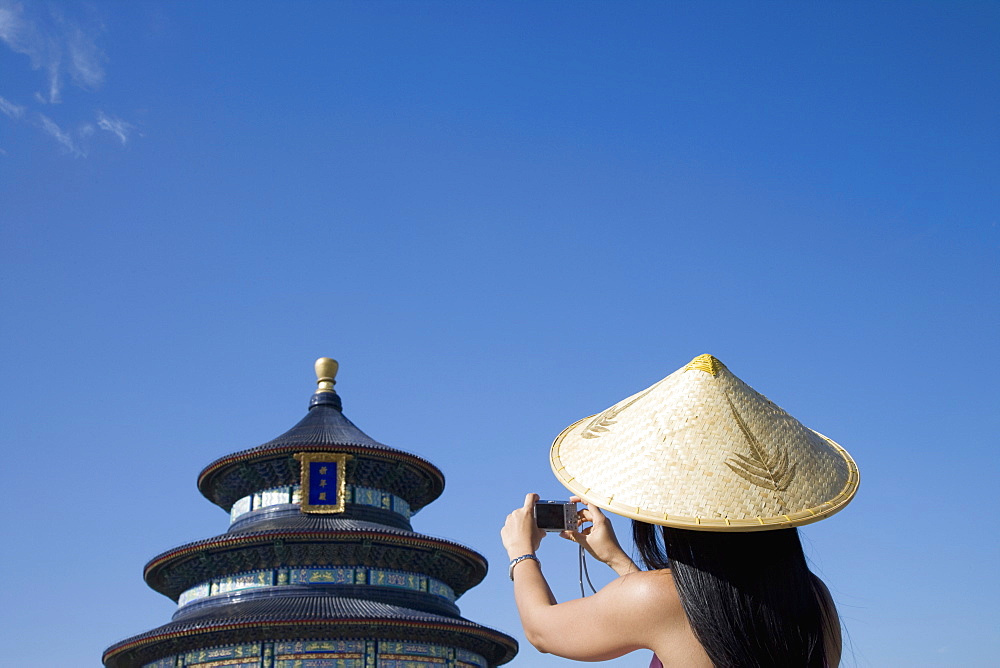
{"points": [[60, 42], [55, 45], [115, 126], [15, 111], [85, 60], [9, 19], [60, 136]]}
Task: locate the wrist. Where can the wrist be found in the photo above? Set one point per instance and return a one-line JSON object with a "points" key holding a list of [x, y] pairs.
{"points": [[514, 552], [529, 556], [621, 564]]}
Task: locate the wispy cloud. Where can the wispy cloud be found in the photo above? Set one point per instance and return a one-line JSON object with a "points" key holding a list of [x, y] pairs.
{"points": [[115, 126], [60, 136], [15, 111], [55, 45], [85, 60], [60, 42], [9, 21]]}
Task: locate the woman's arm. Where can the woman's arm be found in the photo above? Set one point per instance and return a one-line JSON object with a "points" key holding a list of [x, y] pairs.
{"points": [[628, 614]]}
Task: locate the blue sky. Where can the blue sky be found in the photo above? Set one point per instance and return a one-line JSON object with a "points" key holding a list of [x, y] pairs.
{"points": [[500, 218]]}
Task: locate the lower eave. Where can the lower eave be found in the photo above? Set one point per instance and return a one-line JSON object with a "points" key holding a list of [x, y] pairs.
{"points": [[138, 650]]}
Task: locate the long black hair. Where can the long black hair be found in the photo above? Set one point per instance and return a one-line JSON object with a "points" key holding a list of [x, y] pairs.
{"points": [[749, 597]]}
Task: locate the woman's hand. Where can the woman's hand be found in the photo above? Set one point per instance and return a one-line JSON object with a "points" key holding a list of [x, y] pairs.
{"points": [[599, 539], [520, 534]]}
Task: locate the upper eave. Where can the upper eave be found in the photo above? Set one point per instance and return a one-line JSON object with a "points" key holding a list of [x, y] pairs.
{"points": [[323, 429]]}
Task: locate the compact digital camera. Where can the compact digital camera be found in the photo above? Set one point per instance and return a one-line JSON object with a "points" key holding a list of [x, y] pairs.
{"points": [[555, 515]]}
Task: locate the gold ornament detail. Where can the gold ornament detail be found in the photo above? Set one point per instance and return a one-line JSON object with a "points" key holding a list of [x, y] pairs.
{"points": [[326, 372]]}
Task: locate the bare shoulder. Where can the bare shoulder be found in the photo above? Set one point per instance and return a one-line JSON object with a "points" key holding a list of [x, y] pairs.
{"points": [[663, 621], [652, 580], [652, 592]]}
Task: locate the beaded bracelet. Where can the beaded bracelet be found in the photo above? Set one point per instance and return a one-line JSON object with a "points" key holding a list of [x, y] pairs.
{"points": [[515, 562]]}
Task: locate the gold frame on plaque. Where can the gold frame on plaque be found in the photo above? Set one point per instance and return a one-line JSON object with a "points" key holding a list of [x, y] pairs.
{"points": [[340, 459]]}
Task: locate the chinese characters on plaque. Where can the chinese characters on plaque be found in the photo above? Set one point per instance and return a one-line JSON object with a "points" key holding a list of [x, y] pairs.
{"points": [[323, 481]]}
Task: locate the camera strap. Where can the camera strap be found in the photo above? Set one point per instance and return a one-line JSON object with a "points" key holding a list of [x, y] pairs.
{"points": [[584, 573]]}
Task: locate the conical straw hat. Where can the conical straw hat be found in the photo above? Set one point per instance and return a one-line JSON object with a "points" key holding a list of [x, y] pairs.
{"points": [[703, 450]]}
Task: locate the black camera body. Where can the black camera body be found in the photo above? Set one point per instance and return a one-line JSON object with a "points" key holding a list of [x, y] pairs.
{"points": [[555, 515]]}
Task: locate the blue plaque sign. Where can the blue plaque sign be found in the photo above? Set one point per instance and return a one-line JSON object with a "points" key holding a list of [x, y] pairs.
{"points": [[323, 481]]}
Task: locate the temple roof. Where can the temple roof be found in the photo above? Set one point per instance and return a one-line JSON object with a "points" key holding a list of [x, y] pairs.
{"points": [[324, 424], [308, 540], [308, 617], [324, 428]]}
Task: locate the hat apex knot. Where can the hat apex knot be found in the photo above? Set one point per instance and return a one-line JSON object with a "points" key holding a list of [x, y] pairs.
{"points": [[706, 363], [326, 371]]}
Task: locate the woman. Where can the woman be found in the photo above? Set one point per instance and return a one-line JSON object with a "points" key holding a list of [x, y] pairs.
{"points": [[736, 591]]}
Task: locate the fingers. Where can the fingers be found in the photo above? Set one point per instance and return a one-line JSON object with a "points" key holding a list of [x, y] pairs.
{"points": [[587, 515], [529, 500], [591, 513], [595, 513]]}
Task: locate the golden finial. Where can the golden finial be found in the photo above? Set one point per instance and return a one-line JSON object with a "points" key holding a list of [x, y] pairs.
{"points": [[705, 363], [326, 371]]}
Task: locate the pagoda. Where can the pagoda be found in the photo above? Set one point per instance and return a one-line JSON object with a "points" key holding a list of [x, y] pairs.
{"points": [[320, 567]]}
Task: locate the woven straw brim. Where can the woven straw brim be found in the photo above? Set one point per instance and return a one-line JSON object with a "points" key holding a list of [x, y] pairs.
{"points": [[704, 451]]}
